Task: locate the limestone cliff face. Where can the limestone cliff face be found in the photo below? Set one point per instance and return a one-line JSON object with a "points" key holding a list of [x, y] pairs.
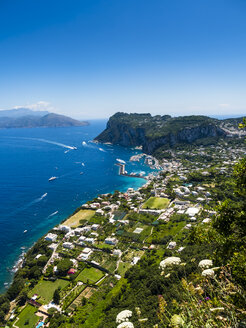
{"points": [[187, 135], [153, 133]]}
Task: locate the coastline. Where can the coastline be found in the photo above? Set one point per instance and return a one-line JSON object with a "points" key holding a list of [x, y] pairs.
{"points": [[25, 181], [105, 237], [18, 264]]}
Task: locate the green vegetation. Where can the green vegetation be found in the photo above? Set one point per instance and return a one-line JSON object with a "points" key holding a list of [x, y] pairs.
{"points": [[27, 317], [123, 267], [63, 266], [159, 258], [156, 203], [89, 275], [45, 289]]}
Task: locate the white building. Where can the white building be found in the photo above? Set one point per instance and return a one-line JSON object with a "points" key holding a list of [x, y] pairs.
{"points": [[111, 241], [52, 246], [172, 245], [192, 211], [117, 252], [95, 226], [50, 237], [64, 228], [68, 245], [85, 254], [90, 240], [135, 260]]}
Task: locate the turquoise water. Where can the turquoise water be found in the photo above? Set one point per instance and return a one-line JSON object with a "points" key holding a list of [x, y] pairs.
{"points": [[29, 202]]}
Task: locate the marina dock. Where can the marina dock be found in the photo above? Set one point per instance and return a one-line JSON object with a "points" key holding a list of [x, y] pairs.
{"points": [[123, 172]]}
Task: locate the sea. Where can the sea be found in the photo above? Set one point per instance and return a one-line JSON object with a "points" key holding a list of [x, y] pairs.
{"points": [[30, 204]]}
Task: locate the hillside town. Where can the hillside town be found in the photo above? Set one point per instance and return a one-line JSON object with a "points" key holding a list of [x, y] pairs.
{"points": [[83, 260]]}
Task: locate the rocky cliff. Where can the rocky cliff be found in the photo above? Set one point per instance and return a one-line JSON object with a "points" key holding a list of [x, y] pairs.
{"points": [[153, 132]]}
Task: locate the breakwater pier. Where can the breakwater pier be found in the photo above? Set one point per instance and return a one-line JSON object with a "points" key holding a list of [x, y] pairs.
{"points": [[123, 172]]}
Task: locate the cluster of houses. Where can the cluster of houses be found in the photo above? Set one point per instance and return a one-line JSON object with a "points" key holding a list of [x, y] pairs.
{"points": [[189, 201], [186, 195]]}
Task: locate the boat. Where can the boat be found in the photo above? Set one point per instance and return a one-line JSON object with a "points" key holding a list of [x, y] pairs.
{"points": [[120, 161], [24, 231], [52, 178], [52, 214], [44, 195], [81, 173]]}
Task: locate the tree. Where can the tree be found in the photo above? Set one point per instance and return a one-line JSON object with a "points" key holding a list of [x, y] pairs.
{"points": [[63, 266], [22, 297], [26, 322], [15, 288], [35, 272], [42, 260], [2, 316], [56, 296], [230, 224]]}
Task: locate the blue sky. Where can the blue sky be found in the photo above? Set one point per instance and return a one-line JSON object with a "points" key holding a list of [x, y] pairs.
{"points": [[89, 59]]}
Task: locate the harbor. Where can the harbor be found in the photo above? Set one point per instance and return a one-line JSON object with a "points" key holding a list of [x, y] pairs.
{"points": [[123, 172]]}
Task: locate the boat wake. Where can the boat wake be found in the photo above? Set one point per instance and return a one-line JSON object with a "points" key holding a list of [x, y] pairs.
{"points": [[54, 143], [52, 214], [92, 145], [88, 145], [29, 204], [47, 141]]}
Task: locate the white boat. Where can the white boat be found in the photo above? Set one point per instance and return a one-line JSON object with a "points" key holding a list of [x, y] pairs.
{"points": [[120, 161], [24, 231], [44, 195], [52, 178]]}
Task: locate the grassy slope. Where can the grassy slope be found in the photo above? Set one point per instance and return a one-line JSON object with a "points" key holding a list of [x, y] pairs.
{"points": [[73, 221], [46, 289], [28, 313], [91, 274]]}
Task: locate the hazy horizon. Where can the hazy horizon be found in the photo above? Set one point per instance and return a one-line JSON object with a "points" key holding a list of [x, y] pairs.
{"points": [[106, 118]]}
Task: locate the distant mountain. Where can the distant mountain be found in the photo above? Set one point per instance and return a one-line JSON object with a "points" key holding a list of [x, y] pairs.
{"points": [[26, 118], [22, 111], [156, 133]]}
